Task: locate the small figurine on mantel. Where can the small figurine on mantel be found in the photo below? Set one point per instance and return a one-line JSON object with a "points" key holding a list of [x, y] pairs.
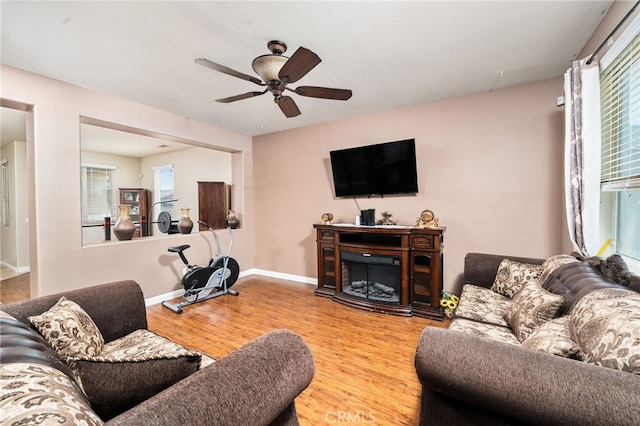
{"points": [[386, 219], [327, 218], [427, 220]]}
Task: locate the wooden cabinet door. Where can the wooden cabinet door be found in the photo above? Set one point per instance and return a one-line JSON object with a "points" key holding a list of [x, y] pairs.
{"points": [[213, 203]]}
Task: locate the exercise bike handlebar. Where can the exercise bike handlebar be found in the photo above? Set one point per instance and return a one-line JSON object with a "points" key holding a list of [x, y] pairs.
{"points": [[217, 240]]}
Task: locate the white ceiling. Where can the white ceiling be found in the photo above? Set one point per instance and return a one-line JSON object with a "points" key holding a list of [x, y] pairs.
{"points": [[391, 54]]}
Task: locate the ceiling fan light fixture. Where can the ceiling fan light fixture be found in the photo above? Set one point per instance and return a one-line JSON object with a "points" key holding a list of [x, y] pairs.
{"points": [[268, 66], [276, 72]]}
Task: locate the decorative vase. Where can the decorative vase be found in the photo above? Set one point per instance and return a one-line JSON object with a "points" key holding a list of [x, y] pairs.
{"points": [[124, 227], [232, 221], [185, 224]]}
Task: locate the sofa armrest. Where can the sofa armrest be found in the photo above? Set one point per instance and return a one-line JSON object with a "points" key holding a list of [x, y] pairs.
{"points": [[480, 268], [117, 308], [252, 385], [525, 387]]}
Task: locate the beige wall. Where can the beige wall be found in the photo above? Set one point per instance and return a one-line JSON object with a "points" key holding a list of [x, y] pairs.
{"points": [[61, 263], [489, 166]]}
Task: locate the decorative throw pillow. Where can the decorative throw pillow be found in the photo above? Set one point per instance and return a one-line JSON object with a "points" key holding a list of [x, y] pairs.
{"points": [[606, 325], [553, 337], [132, 369], [531, 307], [550, 265], [616, 269], [39, 394], [512, 275], [69, 329], [482, 305]]}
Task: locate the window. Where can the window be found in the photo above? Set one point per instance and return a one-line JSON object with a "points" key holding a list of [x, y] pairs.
{"points": [[6, 221], [98, 199], [620, 175], [163, 187]]}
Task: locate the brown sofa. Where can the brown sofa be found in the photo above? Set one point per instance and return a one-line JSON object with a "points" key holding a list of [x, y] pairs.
{"points": [[256, 384], [471, 378]]}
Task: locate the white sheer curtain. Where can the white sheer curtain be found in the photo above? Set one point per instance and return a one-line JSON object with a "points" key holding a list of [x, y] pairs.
{"points": [[582, 155]]}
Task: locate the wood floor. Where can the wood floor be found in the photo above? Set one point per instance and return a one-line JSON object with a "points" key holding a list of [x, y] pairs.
{"points": [[364, 360], [15, 289]]}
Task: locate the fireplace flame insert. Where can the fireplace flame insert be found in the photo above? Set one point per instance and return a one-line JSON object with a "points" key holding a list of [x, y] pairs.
{"points": [[373, 277]]}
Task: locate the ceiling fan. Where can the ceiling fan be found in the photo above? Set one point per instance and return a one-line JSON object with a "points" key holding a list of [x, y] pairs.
{"points": [[277, 71]]}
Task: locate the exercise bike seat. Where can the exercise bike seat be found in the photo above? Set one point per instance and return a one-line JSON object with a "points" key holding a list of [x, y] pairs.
{"points": [[179, 249]]}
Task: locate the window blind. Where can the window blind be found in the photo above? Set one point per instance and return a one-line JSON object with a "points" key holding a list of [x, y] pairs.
{"points": [[6, 213], [620, 109], [98, 199]]}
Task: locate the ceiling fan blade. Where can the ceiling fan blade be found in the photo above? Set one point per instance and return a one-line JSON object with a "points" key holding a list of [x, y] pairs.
{"points": [[221, 68], [240, 97], [299, 64], [323, 92], [288, 106]]}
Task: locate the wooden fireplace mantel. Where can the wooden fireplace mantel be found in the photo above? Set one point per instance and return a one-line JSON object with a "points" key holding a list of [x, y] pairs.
{"points": [[420, 254]]}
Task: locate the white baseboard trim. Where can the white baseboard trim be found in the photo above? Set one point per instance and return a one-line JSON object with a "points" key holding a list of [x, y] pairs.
{"points": [[283, 276], [253, 271], [161, 298], [22, 270]]}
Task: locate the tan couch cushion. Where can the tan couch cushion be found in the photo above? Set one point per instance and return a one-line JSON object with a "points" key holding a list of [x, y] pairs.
{"points": [[489, 331]]}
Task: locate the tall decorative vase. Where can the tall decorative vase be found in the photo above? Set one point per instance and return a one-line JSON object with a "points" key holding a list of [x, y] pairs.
{"points": [[232, 220], [124, 227], [185, 224]]}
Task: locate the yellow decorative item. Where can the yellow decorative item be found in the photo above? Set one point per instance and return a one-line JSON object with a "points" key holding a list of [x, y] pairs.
{"points": [[604, 247], [449, 302]]}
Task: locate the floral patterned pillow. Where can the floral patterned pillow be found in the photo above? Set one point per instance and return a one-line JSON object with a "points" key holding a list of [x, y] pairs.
{"points": [[606, 325], [511, 275], [553, 337], [36, 394], [69, 329], [531, 307]]}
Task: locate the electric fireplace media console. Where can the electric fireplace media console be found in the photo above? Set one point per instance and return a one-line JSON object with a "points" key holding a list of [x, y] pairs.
{"points": [[391, 269]]}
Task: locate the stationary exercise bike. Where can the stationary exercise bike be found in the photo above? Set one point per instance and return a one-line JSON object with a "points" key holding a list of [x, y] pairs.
{"points": [[200, 281]]}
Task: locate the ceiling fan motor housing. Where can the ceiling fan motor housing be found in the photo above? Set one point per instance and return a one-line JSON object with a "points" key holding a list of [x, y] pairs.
{"points": [[276, 46]]}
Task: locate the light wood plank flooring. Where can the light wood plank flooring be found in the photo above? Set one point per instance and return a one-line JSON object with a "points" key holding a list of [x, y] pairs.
{"points": [[364, 360], [15, 289]]}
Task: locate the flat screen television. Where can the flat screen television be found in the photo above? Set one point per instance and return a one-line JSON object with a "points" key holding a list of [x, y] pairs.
{"points": [[381, 169]]}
